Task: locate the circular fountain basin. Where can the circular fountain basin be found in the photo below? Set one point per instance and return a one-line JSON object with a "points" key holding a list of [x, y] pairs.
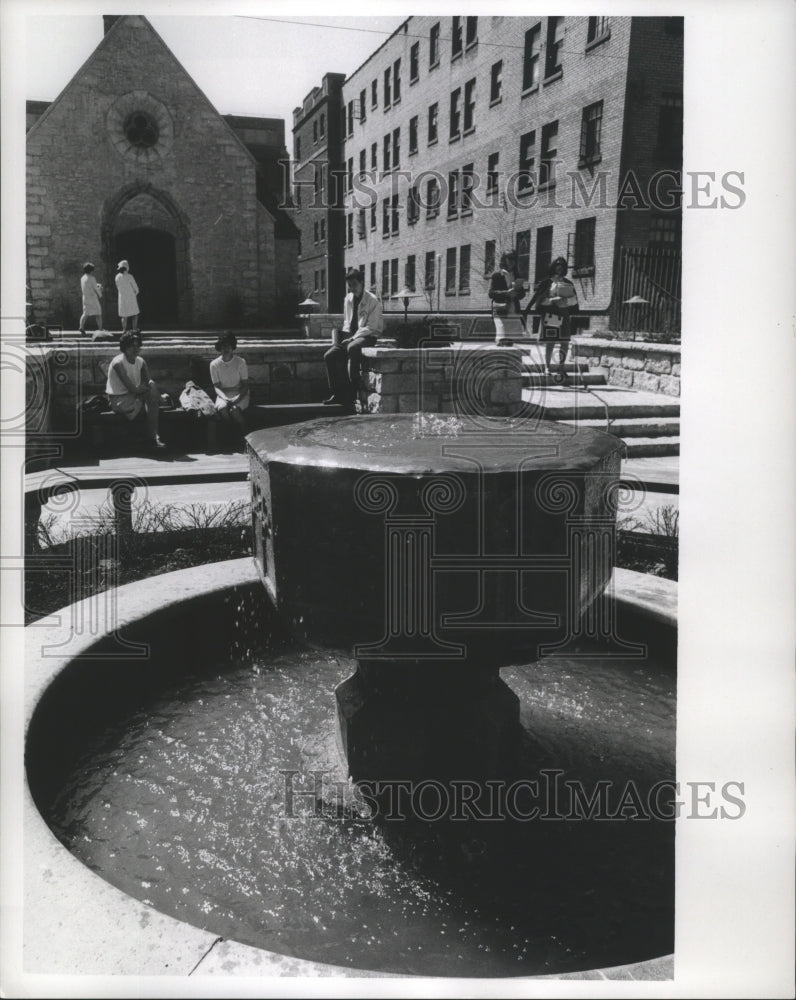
{"points": [[92, 699]]}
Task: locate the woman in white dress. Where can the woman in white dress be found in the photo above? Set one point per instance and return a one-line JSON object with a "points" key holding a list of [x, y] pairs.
{"points": [[90, 291], [128, 296]]}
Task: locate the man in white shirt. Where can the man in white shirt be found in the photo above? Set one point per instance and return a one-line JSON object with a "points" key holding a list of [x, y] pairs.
{"points": [[129, 388], [363, 322]]}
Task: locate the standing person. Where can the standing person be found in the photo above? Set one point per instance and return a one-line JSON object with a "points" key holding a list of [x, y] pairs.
{"points": [[230, 377], [363, 321], [128, 296], [505, 291], [91, 291], [557, 299], [129, 388]]}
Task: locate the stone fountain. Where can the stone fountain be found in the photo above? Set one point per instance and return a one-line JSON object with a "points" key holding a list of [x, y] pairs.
{"points": [[437, 549]]}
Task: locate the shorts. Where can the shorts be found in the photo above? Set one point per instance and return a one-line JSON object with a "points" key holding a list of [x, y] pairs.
{"points": [[127, 404]]}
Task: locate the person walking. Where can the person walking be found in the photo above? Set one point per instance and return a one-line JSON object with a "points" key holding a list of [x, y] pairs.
{"points": [[128, 296], [505, 291], [556, 299], [91, 292], [363, 321]]}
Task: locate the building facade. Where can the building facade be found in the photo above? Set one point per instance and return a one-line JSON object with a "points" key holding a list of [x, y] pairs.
{"points": [[318, 214], [468, 136], [131, 161]]}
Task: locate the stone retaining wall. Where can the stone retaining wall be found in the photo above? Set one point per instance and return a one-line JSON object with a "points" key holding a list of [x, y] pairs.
{"points": [[633, 364], [463, 379]]}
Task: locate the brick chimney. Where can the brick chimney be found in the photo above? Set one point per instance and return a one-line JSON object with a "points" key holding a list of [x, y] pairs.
{"points": [[109, 20]]}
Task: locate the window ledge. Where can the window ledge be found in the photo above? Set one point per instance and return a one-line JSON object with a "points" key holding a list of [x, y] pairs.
{"points": [[530, 90], [469, 131], [456, 58], [598, 41], [434, 65], [466, 213], [455, 138], [547, 186], [432, 215], [494, 103], [556, 75], [414, 80], [471, 45], [432, 142], [583, 272], [412, 222], [451, 292], [590, 161], [413, 152], [464, 291]]}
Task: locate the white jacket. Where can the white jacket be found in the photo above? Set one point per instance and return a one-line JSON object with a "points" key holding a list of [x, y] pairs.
{"points": [[370, 321]]}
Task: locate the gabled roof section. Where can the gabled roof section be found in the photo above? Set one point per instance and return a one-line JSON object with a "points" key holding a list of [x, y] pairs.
{"points": [[109, 39]]}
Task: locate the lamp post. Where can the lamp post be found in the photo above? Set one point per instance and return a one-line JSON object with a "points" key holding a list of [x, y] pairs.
{"points": [[406, 294], [635, 300], [307, 305]]}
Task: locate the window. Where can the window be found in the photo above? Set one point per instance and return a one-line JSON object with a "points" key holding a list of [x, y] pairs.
{"points": [[323, 230], [665, 231], [373, 216], [361, 224], [590, 133], [432, 198], [430, 269], [396, 81], [350, 117], [456, 40], [394, 215], [373, 274], [414, 63], [413, 205], [670, 128], [433, 46], [298, 148], [450, 271], [456, 114], [526, 178], [386, 154], [409, 272], [363, 102], [496, 82], [315, 131], [350, 229], [322, 126], [322, 282], [544, 253], [584, 246], [349, 174], [469, 106], [489, 257], [523, 250], [363, 163], [468, 180], [315, 231], [471, 32], [297, 197], [374, 156], [492, 172], [396, 148], [530, 66], [547, 155], [464, 270], [385, 218], [374, 94], [555, 42], [599, 29], [413, 135], [432, 123], [453, 193], [387, 87], [385, 279], [394, 286]]}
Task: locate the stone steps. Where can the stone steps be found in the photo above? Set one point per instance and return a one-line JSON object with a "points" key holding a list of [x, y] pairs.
{"points": [[646, 447], [634, 427], [534, 379]]}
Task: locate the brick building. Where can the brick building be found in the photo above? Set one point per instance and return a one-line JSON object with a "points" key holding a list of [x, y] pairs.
{"points": [[318, 215], [466, 136], [132, 161]]}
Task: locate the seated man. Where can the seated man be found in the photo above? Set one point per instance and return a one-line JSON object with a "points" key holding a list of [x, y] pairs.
{"points": [[129, 388], [363, 322]]}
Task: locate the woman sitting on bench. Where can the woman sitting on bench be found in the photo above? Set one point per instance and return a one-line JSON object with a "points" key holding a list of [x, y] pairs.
{"points": [[129, 388]]}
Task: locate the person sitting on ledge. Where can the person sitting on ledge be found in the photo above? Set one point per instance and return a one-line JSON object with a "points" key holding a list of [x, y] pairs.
{"points": [[129, 388], [230, 377], [363, 322]]}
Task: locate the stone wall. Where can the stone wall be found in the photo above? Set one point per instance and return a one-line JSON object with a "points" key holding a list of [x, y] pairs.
{"points": [[463, 378], [633, 364]]}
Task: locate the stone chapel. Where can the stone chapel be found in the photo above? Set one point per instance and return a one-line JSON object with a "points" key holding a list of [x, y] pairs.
{"points": [[131, 161]]}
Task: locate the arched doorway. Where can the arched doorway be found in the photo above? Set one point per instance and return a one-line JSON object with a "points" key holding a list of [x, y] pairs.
{"points": [[152, 255]]}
